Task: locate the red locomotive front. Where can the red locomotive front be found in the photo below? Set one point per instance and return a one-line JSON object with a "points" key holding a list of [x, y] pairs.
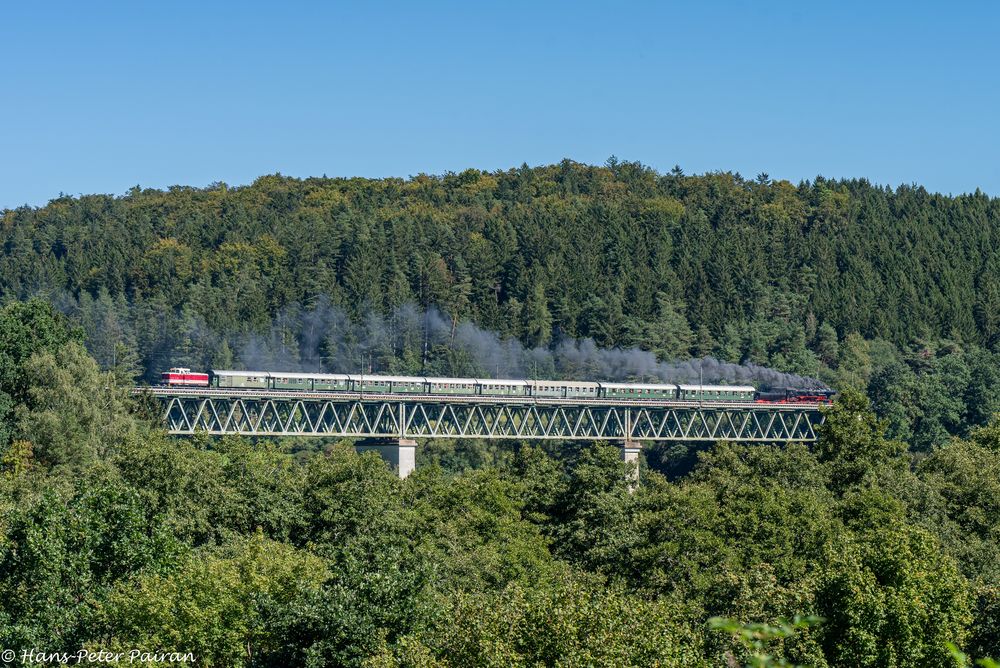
{"points": [[182, 376]]}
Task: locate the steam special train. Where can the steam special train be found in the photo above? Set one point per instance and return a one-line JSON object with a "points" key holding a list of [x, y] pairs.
{"points": [[564, 389]]}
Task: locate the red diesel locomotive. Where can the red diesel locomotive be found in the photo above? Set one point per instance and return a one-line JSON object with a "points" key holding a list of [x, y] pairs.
{"points": [[179, 376]]}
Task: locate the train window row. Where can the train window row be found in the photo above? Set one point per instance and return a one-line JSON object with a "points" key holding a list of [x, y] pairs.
{"points": [[507, 388], [415, 385]]}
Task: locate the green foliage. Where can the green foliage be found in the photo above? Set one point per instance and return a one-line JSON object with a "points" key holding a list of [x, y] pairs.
{"points": [[964, 481], [985, 637], [886, 291], [988, 436], [668, 334], [28, 328], [377, 592], [209, 495], [589, 521], [112, 535], [250, 553], [891, 599], [217, 605], [852, 443], [472, 528], [571, 622], [755, 637], [73, 414], [62, 551], [962, 659], [934, 392], [346, 496]]}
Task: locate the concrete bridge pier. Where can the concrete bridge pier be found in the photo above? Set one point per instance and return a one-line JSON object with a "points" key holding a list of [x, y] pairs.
{"points": [[399, 453], [630, 455]]}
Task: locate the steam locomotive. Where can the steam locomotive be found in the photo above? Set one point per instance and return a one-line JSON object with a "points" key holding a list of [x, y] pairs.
{"points": [[790, 395], [375, 384]]}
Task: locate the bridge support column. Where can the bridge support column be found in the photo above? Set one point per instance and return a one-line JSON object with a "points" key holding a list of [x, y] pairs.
{"points": [[630, 455], [399, 453]]}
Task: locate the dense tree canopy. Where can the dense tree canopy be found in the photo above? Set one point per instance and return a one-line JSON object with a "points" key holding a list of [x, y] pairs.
{"points": [[839, 279], [569, 249], [884, 534], [113, 537]]}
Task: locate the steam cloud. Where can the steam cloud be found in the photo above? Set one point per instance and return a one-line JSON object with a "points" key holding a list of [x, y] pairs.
{"points": [[325, 338]]}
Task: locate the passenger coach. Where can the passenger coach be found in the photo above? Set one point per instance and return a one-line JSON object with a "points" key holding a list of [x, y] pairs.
{"points": [[498, 387]]}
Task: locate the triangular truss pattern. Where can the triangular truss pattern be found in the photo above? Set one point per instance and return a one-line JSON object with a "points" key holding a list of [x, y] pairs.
{"points": [[282, 416]]}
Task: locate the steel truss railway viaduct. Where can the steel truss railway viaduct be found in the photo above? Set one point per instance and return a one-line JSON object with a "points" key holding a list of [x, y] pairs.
{"points": [[391, 423]]}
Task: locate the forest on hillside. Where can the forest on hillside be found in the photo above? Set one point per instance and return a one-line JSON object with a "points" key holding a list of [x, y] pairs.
{"points": [[893, 292], [875, 547], [853, 553]]}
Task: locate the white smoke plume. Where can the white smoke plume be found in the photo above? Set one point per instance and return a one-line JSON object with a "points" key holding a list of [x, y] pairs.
{"points": [[410, 340]]}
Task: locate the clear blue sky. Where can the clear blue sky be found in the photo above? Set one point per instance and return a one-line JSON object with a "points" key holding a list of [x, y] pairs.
{"points": [[98, 97]]}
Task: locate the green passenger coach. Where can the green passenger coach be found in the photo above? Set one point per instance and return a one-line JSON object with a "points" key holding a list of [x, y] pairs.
{"points": [[286, 380], [241, 379], [452, 385], [715, 392], [490, 387], [331, 382], [639, 391], [494, 387]]}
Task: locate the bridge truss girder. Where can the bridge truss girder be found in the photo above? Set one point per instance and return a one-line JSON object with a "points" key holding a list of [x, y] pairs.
{"points": [[288, 416]]}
